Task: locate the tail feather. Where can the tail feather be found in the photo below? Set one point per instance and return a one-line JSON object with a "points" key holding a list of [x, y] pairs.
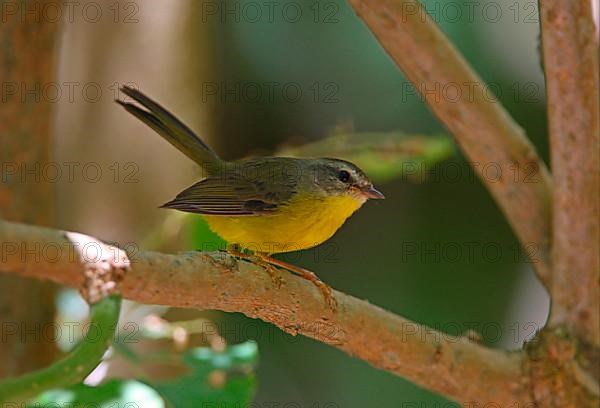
{"points": [[171, 129]]}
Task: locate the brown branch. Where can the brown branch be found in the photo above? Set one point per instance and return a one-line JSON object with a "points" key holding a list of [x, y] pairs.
{"points": [[27, 66], [571, 64], [481, 126], [452, 366]]}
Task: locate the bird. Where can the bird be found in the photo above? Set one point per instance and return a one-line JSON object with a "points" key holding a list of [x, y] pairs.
{"points": [[261, 205]]}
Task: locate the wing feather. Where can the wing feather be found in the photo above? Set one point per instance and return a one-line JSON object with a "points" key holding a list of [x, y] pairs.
{"points": [[237, 193]]}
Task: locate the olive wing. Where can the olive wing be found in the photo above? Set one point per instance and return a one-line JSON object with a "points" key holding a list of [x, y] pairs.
{"points": [[235, 195]]}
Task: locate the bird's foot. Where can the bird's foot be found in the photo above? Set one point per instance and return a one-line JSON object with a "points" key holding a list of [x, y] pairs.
{"points": [[237, 252], [270, 265], [272, 270], [309, 276]]}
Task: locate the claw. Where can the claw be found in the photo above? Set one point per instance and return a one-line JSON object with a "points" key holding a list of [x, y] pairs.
{"points": [[272, 270]]}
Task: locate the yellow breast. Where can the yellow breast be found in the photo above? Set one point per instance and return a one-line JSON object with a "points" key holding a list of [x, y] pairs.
{"points": [[302, 223]]}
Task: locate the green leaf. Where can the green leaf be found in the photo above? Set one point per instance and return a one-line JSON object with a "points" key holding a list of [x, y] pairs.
{"points": [[114, 393], [224, 379], [383, 156]]}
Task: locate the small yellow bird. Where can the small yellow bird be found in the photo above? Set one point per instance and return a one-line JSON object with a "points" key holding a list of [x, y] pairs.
{"points": [[268, 204]]}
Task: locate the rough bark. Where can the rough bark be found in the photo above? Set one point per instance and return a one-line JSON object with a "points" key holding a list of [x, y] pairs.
{"points": [[570, 52]]}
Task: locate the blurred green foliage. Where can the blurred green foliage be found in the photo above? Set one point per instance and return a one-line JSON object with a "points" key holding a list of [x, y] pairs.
{"points": [[223, 377], [121, 393], [74, 366], [383, 156]]}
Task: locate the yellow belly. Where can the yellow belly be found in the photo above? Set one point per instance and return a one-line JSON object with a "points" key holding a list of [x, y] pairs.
{"points": [[302, 223]]}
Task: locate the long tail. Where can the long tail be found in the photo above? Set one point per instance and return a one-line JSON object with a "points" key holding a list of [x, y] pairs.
{"points": [[172, 130]]}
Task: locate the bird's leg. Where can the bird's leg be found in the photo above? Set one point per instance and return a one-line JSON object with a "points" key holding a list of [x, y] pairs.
{"points": [[270, 264], [306, 274], [236, 251]]}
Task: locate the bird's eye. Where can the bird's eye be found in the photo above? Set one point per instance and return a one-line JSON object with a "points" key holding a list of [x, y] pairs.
{"points": [[344, 176]]}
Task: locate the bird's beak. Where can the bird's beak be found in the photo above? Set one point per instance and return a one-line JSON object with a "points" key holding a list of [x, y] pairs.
{"points": [[371, 192]]}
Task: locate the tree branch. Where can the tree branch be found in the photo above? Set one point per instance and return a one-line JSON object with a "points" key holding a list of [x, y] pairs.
{"points": [[27, 65], [571, 65], [452, 366], [481, 126]]}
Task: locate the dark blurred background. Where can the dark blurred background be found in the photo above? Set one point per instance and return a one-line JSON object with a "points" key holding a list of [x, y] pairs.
{"points": [[252, 76]]}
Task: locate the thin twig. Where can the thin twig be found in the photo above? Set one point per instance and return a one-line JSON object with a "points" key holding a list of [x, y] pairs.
{"points": [[452, 366], [486, 133], [570, 53]]}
